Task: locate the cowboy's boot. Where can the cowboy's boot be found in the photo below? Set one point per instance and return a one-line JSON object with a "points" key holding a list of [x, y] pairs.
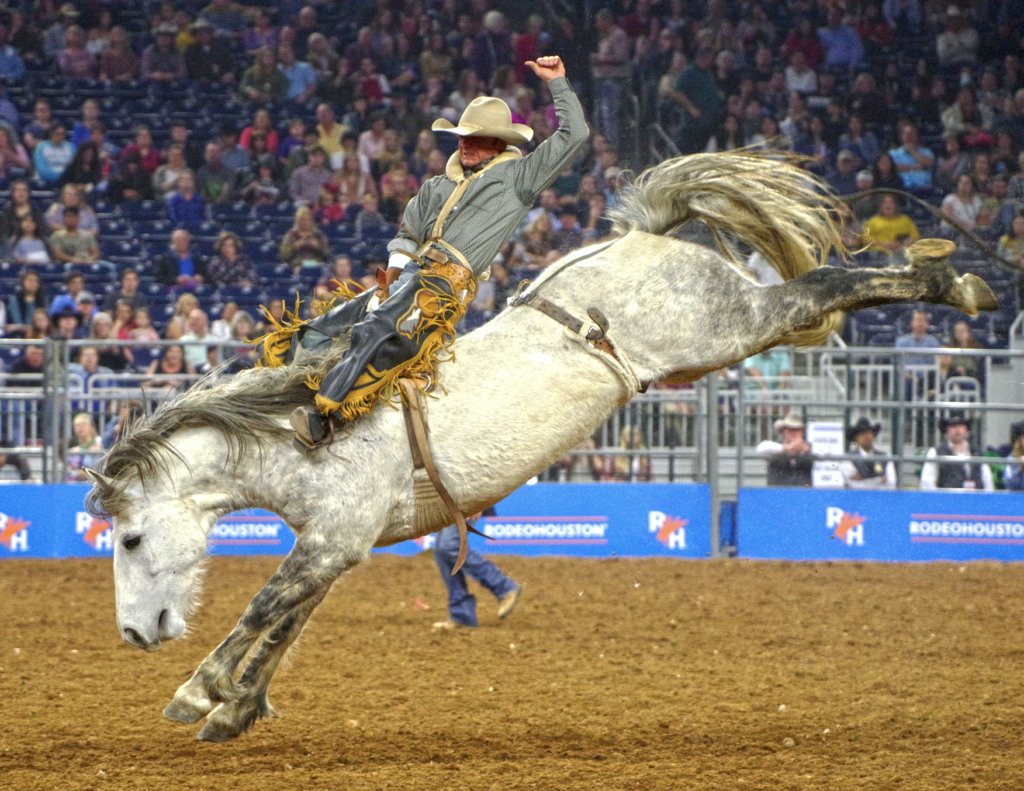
{"points": [[310, 428]]}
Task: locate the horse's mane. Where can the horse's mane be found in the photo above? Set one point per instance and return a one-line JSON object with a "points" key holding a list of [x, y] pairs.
{"points": [[246, 409]]}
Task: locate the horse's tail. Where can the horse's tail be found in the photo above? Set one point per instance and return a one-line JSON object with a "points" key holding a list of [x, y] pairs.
{"points": [[784, 213]]}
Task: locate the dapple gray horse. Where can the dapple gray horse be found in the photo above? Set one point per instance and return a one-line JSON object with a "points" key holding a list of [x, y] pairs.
{"points": [[523, 390]]}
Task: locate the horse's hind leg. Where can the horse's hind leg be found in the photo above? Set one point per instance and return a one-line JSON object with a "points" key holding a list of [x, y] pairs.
{"points": [[237, 716], [307, 572], [929, 278]]}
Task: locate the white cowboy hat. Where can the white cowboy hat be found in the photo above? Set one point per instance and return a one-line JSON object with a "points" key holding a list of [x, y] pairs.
{"points": [[486, 117], [789, 421]]}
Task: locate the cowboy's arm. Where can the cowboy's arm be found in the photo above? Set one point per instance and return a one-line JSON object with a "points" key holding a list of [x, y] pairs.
{"points": [[412, 220], [536, 171]]}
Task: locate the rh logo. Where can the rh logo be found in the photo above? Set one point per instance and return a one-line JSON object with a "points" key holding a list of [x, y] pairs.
{"points": [[14, 533], [95, 532], [669, 530], [425, 542], [846, 526]]}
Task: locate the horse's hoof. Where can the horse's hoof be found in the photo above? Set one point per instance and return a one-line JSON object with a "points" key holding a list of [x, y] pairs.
{"points": [[928, 250], [220, 726], [971, 294], [185, 712]]}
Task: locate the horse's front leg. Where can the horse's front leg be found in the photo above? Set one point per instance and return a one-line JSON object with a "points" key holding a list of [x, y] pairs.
{"points": [[235, 717], [308, 571]]}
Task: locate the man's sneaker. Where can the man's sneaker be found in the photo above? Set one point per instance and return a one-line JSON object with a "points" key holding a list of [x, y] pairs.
{"points": [[451, 625], [309, 426], [508, 602]]}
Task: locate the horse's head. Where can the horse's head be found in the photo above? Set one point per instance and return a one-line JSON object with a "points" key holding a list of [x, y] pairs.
{"points": [[159, 548]]}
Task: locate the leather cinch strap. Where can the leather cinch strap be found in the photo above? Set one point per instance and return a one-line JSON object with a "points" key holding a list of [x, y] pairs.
{"points": [[416, 425]]}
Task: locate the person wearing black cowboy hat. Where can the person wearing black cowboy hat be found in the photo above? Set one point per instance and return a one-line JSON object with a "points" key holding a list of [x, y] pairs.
{"points": [[867, 472], [955, 475]]}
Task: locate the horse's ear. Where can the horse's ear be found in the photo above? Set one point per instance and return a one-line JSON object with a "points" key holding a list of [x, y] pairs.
{"points": [[212, 502], [99, 480]]}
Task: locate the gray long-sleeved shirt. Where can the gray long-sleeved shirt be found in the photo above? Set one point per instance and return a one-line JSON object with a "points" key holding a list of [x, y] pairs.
{"points": [[496, 201]]}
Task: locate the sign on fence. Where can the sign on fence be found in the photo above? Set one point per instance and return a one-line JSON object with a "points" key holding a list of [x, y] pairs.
{"points": [[809, 524], [546, 519]]}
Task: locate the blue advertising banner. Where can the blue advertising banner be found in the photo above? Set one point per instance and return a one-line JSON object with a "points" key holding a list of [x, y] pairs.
{"points": [[840, 524], [544, 519]]}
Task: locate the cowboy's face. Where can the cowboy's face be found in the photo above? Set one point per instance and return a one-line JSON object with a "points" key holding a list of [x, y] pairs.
{"points": [[474, 151], [865, 439], [956, 433]]}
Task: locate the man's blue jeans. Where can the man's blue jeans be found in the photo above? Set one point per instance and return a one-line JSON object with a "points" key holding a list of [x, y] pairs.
{"points": [[461, 603], [607, 101]]}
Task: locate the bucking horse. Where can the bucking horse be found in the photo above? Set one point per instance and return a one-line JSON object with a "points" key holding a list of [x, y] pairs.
{"points": [[517, 393]]}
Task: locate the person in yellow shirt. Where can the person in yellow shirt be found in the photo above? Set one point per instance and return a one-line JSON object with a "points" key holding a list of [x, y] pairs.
{"points": [[889, 230], [329, 130]]}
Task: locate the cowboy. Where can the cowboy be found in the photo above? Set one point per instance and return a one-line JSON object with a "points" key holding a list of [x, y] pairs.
{"points": [[953, 475], [450, 234], [790, 463], [866, 473]]}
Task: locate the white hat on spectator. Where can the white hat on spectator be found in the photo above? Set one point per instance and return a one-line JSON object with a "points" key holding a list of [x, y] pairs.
{"points": [[792, 420], [953, 10], [85, 296]]}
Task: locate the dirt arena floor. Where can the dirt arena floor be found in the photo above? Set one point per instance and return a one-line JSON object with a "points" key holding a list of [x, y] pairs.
{"points": [[618, 674]]}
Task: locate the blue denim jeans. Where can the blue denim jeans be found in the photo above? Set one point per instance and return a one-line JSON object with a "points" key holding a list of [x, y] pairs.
{"points": [[461, 603], [607, 101]]}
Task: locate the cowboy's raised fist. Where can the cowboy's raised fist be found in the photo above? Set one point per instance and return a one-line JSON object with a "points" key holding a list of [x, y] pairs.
{"points": [[547, 68]]}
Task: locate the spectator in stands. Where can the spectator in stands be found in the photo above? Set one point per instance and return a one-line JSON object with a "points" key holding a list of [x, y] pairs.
{"points": [[874, 30], [261, 34], [328, 210], [867, 472], [913, 161], [885, 173], [215, 181], [30, 364], [149, 156], [844, 178], [41, 327], [963, 364], [890, 230], [697, 92], [29, 246], [918, 383], [962, 206], [53, 154], [85, 304], [90, 115], [161, 61], [295, 139], [804, 39], [299, 76], [954, 475], [265, 188], [30, 296], [306, 182], [304, 245], [610, 71], [262, 124], [165, 180], [98, 36], [74, 284], [953, 165], [959, 43], [436, 61], [186, 208], [969, 120], [221, 328], [19, 206], [628, 467], [493, 47], [800, 78], [124, 319], [232, 154], [768, 370], [129, 291], [198, 332], [12, 68], [262, 83], [337, 88], [194, 152], [790, 463], [118, 61], [87, 450], [113, 358], [131, 183], [85, 172], [178, 266], [69, 245], [369, 220], [209, 59], [38, 128], [68, 325], [535, 250], [1011, 246], [1013, 472], [70, 198], [328, 131], [229, 265], [144, 330], [228, 18], [169, 369], [569, 235], [75, 61], [841, 43]]}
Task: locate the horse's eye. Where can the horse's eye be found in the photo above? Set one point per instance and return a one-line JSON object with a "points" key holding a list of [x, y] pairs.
{"points": [[132, 543]]}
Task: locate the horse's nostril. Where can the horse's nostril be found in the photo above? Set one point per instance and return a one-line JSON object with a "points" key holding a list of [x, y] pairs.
{"points": [[134, 638], [162, 621]]}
